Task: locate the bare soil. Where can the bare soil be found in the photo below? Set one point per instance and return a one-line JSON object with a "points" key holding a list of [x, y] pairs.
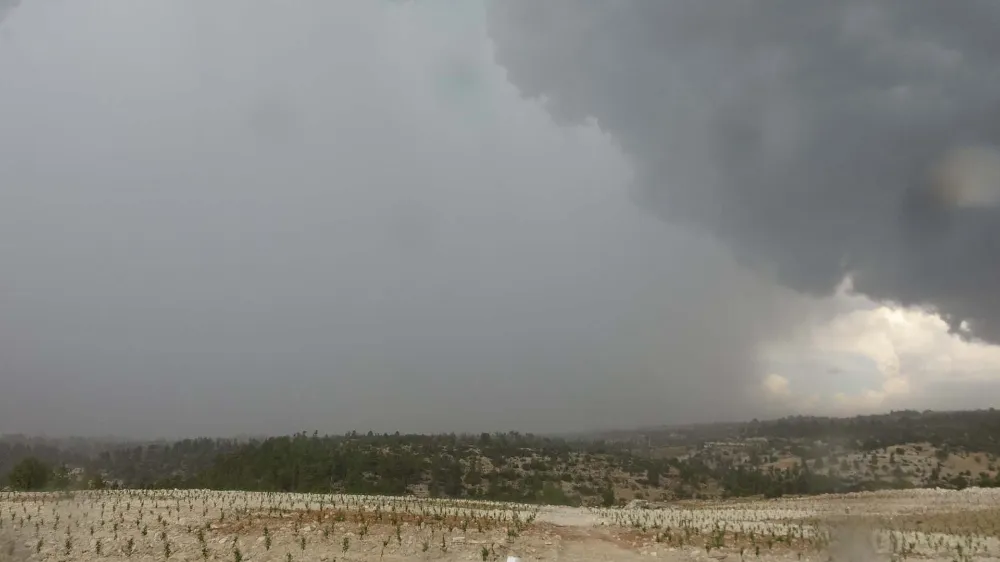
{"points": [[241, 527]]}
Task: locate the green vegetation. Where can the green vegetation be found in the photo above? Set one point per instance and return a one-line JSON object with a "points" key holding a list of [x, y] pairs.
{"points": [[795, 455], [29, 474]]}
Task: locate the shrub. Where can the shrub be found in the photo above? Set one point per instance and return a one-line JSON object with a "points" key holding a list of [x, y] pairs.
{"points": [[29, 474]]}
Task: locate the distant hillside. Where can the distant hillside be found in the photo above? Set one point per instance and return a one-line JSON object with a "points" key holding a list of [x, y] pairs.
{"points": [[795, 455]]}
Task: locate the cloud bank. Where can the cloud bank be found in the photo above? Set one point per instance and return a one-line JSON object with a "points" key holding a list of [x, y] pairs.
{"points": [[816, 141]]}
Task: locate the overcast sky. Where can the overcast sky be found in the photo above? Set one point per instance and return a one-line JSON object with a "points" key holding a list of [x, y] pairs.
{"points": [[238, 217]]}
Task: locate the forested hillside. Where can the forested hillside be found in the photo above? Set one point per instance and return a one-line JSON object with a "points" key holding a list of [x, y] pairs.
{"points": [[769, 458]]}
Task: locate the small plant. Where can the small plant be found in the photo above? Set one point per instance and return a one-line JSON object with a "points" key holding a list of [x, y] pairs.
{"points": [[129, 547], [345, 544], [484, 553], [385, 543], [97, 547], [166, 549], [302, 542]]}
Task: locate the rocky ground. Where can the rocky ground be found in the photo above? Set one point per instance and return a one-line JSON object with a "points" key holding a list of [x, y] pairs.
{"points": [[241, 527]]}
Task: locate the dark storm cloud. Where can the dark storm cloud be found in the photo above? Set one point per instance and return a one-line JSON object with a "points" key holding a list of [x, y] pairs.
{"points": [[817, 140]]}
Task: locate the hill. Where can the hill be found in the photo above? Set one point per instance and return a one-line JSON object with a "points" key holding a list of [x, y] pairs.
{"points": [[793, 455]]}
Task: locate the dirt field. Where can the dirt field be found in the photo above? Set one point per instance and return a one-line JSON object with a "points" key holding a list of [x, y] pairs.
{"points": [[243, 527]]}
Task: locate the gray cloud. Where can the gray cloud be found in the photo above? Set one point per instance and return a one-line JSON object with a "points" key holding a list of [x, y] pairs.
{"points": [[816, 140], [223, 220], [6, 6]]}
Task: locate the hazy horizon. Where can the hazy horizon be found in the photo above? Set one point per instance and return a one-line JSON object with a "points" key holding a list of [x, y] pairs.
{"points": [[439, 215], [574, 434]]}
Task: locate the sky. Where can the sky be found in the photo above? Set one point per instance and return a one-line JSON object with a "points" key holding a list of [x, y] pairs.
{"points": [[231, 217]]}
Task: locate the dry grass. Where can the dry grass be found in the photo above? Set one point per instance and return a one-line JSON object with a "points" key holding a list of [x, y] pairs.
{"points": [[982, 522]]}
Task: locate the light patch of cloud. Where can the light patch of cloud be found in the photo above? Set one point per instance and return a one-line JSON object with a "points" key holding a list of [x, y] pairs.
{"points": [[777, 385], [782, 398], [911, 351]]}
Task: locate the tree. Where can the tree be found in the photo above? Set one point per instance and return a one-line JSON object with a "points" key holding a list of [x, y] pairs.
{"points": [[61, 478], [29, 474], [653, 475], [608, 496], [97, 482]]}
